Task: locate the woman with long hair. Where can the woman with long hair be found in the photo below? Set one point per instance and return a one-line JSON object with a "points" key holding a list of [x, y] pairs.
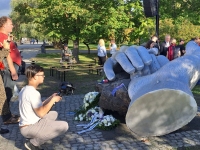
{"points": [[102, 54]]}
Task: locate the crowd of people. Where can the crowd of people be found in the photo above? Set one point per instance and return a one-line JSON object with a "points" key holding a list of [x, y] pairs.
{"points": [[170, 47]]}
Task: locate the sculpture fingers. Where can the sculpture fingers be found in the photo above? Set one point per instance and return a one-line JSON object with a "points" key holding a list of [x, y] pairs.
{"points": [[144, 54], [162, 60], [122, 59], [109, 69], [111, 63], [155, 65]]}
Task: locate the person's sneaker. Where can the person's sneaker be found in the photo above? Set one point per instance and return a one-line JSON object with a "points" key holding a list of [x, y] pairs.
{"points": [[30, 146]]}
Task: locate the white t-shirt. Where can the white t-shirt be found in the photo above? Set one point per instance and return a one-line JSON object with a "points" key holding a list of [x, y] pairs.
{"points": [[29, 98], [113, 48]]}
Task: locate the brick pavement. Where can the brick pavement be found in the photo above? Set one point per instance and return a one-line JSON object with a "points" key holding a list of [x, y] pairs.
{"points": [[117, 139]]}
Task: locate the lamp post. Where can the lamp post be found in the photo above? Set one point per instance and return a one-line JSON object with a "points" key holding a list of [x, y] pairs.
{"points": [[157, 18]]}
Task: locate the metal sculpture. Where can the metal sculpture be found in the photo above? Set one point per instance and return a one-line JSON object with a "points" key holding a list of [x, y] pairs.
{"points": [[160, 91]]}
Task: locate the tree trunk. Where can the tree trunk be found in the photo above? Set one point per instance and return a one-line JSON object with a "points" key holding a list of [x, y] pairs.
{"points": [[87, 46], [76, 49]]}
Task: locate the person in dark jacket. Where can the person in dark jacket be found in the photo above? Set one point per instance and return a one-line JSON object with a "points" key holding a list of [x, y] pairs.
{"points": [[164, 45]]}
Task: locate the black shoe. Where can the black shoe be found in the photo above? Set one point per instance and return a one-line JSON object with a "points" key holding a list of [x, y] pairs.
{"points": [[3, 131], [30, 146]]}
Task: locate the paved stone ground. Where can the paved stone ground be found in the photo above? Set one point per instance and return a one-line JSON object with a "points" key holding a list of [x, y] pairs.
{"points": [[117, 139]]}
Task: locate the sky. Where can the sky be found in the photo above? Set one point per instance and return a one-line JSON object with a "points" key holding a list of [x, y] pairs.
{"points": [[5, 8]]}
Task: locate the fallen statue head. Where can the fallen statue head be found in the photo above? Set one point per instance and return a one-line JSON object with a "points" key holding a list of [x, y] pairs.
{"points": [[160, 91]]}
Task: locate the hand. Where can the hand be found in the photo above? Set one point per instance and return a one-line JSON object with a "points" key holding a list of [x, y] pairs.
{"points": [[5, 44], [134, 60], [56, 98], [161, 99], [54, 94], [14, 76]]}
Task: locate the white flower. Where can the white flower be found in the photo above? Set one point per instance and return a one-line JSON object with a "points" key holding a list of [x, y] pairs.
{"points": [[81, 118], [76, 118], [104, 121], [112, 119], [93, 111], [80, 115], [91, 100], [108, 118], [86, 105], [109, 124]]}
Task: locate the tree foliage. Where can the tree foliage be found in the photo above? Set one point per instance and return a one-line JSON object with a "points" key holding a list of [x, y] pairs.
{"points": [[89, 20]]}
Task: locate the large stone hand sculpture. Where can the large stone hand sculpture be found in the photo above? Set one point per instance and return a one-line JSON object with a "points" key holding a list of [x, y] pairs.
{"points": [[160, 91]]}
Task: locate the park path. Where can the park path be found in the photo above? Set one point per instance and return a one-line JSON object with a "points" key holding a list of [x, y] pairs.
{"points": [[117, 139]]}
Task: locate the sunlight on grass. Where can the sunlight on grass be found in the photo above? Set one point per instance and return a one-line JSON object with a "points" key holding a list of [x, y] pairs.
{"points": [[196, 89]]}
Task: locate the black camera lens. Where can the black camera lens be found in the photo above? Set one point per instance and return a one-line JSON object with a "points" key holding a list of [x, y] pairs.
{"points": [[59, 94]]}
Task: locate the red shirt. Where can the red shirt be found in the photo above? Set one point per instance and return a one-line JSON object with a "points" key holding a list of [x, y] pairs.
{"points": [[14, 52]]}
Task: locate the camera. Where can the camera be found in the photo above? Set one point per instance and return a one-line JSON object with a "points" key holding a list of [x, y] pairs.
{"points": [[66, 88], [60, 94]]}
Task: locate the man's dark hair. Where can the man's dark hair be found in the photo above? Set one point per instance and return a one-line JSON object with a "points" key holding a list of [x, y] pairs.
{"points": [[32, 70], [3, 20]]}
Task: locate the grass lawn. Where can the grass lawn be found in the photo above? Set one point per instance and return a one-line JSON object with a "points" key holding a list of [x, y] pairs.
{"points": [[83, 81]]}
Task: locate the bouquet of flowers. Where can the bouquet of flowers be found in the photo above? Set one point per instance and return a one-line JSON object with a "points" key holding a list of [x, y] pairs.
{"points": [[90, 112], [89, 98], [96, 111], [108, 122]]}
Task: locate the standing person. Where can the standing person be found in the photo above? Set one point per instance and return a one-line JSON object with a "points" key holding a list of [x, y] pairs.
{"points": [[164, 45], [43, 50], [6, 27], [33, 41], [150, 46], [112, 47], [9, 83], [154, 38], [37, 122], [66, 53], [102, 54], [171, 52], [181, 47]]}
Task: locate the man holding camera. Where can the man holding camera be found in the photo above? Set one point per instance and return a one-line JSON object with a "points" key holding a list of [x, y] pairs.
{"points": [[37, 122]]}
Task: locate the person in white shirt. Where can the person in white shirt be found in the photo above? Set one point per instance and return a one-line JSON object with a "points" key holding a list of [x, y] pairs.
{"points": [[37, 122], [101, 52], [113, 47]]}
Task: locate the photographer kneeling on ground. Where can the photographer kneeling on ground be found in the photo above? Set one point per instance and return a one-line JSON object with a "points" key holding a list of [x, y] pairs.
{"points": [[37, 122]]}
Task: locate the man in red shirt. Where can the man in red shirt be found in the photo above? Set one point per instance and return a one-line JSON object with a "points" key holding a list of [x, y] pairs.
{"points": [[7, 65]]}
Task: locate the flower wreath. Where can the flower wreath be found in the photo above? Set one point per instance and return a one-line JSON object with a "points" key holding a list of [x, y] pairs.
{"points": [[90, 112]]}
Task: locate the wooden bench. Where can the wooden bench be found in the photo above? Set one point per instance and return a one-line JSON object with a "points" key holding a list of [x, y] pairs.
{"points": [[61, 72]]}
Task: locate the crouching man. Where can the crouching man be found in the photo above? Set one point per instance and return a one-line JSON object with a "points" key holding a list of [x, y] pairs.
{"points": [[37, 122]]}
